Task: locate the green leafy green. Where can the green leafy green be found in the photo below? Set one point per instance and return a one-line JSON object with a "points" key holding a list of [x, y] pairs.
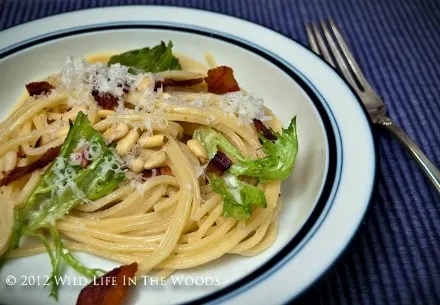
{"points": [[156, 59], [280, 159], [213, 141], [239, 197], [280, 154], [64, 185]]}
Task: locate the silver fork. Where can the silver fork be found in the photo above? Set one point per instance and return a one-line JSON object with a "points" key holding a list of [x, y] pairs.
{"points": [[376, 108]]}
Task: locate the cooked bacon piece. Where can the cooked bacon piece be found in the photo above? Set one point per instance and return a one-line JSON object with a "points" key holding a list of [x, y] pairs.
{"points": [[261, 128], [219, 164], [148, 173], [178, 83], [221, 80], [19, 172], [37, 88], [105, 100], [109, 289]]}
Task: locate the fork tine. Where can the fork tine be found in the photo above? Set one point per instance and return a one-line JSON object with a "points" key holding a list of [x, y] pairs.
{"points": [[322, 46], [350, 58], [311, 38], [343, 67]]}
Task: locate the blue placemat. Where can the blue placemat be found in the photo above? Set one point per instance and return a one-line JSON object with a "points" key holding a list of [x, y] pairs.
{"points": [[395, 258]]}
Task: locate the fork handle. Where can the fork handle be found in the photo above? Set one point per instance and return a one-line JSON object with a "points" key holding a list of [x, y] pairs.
{"points": [[428, 168]]}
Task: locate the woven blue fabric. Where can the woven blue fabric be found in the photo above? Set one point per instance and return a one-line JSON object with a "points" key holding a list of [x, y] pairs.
{"points": [[395, 257]]}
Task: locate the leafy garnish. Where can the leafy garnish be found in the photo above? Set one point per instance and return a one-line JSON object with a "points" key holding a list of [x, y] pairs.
{"points": [[280, 159], [156, 59], [239, 198], [213, 140], [280, 154], [65, 184]]}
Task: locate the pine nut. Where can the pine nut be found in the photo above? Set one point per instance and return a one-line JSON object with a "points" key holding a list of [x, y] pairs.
{"points": [[125, 145], [137, 165], [156, 160], [10, 161], [116, 132], [198, 150], [147, 141]]}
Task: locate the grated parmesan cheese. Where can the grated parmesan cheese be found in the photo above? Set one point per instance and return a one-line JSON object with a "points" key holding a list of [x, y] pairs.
{"points": [[197, 103], [246, 106], [78, 76]]}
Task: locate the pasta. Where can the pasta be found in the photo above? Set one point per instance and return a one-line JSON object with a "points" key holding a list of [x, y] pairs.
{"points": [[165, 215]]}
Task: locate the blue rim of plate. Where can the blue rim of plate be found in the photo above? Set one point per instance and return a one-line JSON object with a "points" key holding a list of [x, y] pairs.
{"points": [[331, 128]]}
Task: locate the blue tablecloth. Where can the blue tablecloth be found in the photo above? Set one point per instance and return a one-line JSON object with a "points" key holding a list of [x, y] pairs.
{"points": [[395, 257]]}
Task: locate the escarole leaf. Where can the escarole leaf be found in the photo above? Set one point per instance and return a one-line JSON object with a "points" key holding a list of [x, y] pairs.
{"points": [[64, 185], [156, 59], [280, 159], [239, 198], [280, 154], [213, 141]]}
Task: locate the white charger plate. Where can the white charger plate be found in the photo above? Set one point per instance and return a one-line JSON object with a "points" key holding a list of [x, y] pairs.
{"points": [[324, 200]]}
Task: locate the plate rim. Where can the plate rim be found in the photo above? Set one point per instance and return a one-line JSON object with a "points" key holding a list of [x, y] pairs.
{"points": [[372, 134]]}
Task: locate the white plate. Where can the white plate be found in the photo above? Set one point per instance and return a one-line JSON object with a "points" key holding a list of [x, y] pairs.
{"points": [[326, 197]]}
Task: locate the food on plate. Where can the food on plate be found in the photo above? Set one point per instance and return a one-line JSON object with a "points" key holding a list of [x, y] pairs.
{"points": [[141, 159], [109, 289]]}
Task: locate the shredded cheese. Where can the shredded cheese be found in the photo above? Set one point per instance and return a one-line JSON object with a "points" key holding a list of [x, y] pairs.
{"points": [[78, 76], [245, 106]]}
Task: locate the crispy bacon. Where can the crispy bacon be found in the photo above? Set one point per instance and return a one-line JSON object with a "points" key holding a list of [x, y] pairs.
{"points": [[148, 173], [105, 100], [219, 164], [261, 128], [37, 88], [19, 172], [177, 83], [110, 289], [221, 80]]}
